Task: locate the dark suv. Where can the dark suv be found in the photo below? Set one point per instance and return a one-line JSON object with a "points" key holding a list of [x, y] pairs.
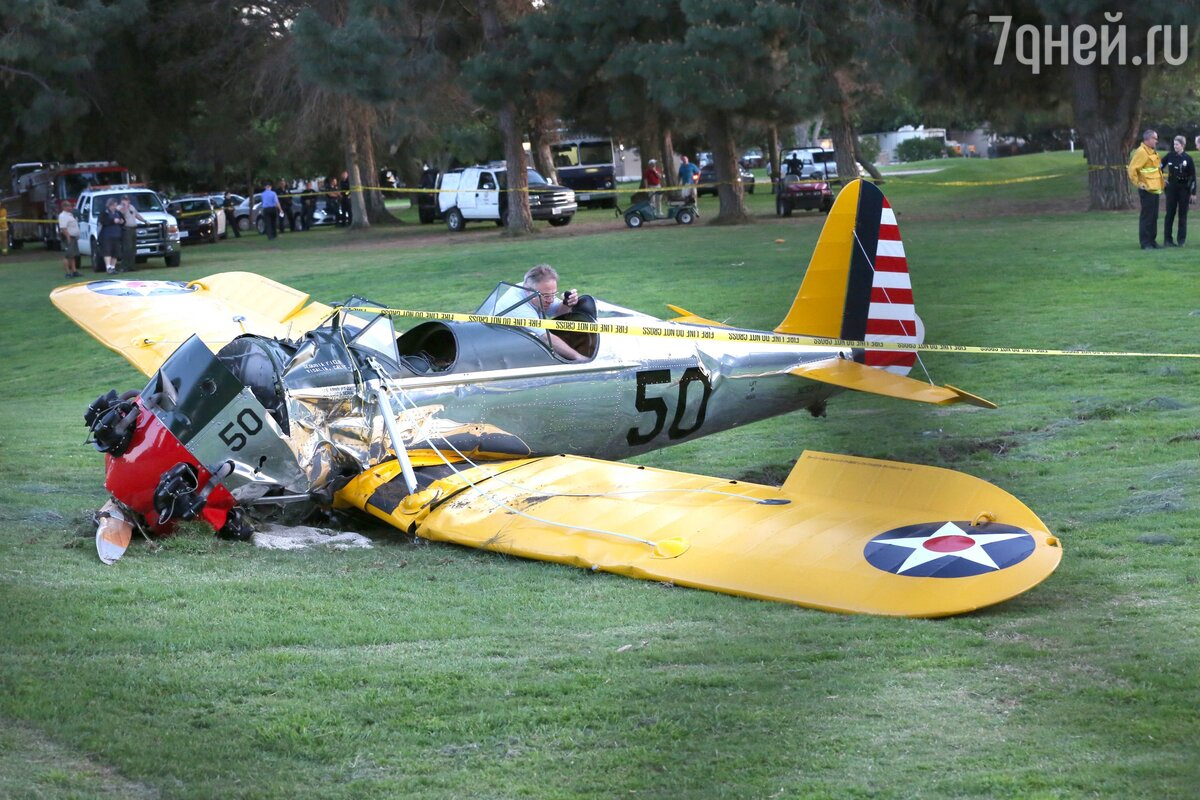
{"points": [[708, 179]]}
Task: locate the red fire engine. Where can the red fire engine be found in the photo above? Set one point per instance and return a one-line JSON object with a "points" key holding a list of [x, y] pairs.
{"points": [[38, 188]]}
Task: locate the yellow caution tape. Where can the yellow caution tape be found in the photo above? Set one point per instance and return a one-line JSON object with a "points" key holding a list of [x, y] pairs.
{"points": [[415, 190], [1027, 179], [697, 333]]}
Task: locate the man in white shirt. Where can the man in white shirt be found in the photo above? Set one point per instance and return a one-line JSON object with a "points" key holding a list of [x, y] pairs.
{"points": [[68, 235], [129, 233]]}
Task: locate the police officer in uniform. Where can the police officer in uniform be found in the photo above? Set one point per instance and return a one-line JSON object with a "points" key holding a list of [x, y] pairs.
{"points": [[1145, 173], [1179, 170]]}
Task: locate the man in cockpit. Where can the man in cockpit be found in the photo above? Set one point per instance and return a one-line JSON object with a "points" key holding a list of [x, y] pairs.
{"points": [[543, 279]]}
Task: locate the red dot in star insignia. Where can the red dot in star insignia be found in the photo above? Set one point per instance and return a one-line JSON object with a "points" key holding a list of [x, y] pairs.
{"points": [[949, 544]]}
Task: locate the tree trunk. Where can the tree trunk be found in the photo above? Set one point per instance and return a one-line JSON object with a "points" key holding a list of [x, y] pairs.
{"points": [[670, 170], [845, 141], [519, 221], [541, 136], [773, 155], [868, 165], [373, 198], [358, 209], [1106, 101], [729, 189]]}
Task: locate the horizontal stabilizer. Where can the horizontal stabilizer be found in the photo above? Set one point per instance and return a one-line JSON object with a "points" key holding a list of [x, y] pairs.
{"points": [[863, 378], [844, 534], [688, 318], [145, 321]]}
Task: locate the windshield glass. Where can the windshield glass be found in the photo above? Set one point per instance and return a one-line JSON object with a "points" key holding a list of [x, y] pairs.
{"points": [[510, 300], [144, 201], [824, 157], [192, 206], [576, 154], [72, 183], [533, 177]]}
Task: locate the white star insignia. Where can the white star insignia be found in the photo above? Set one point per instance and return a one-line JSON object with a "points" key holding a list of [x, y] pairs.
{"points": [[922, 555]]}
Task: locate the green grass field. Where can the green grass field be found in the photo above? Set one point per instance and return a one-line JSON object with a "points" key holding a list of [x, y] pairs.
{"points": [[208, 669]]}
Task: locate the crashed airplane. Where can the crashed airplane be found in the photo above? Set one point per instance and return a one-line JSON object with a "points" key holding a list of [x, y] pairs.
{"points": [[264, 406]]}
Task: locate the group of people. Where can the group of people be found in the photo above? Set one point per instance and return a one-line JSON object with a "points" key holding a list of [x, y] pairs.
{"points": [[1174, 176], [279, 207], [117, 237], [652, 178]]}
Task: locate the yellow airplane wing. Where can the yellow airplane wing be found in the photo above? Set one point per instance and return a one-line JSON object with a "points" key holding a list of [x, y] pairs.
{"points": [[863, 378], [845, 534], [146, 320]]}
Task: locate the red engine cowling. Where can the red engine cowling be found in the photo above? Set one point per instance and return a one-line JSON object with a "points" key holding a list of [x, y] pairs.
{"points": [[133, 478]]}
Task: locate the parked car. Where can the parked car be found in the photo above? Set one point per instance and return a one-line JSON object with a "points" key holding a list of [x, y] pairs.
{"points": [[478, 193], [241, 212], [198, 220], [795, 192], [752, 158], [320, 215], [218, 201], [708, 180]]}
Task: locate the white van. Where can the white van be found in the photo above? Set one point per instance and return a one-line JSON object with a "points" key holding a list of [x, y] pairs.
{"points": [[810, 163], [478, 193]]}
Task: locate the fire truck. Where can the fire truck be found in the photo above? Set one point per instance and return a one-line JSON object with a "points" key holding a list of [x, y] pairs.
{"points": [[37, 189]]}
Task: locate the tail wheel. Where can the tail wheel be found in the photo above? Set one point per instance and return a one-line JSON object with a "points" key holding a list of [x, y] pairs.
{"points": [[685, 216], [454, 220], [633, 220]]}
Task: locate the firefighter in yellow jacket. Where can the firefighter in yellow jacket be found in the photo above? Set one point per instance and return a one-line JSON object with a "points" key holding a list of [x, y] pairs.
{"points": [[1145, 171]]}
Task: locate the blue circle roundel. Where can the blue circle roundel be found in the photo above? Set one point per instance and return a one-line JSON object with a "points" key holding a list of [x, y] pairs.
{"points": [[948, 549]]}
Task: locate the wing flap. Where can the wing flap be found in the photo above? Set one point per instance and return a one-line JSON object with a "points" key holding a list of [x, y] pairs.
{"points": [[145, 321], [839, 536], [863, 378]]}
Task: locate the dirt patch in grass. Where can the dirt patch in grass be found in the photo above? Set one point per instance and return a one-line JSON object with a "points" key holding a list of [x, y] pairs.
{"points": [[970, 448], [1165, 500], [1101, 409], [769, 475]]}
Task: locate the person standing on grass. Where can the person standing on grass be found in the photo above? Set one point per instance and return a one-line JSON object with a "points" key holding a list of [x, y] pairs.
{"points": [[129, 233], [688, 175], [1180, 186], [270, 209], [112, 223], [68, 234], [230, 210], [1145, 172]]}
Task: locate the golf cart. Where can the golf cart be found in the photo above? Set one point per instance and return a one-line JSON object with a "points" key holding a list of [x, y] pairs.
{"points": [[642, 210]]}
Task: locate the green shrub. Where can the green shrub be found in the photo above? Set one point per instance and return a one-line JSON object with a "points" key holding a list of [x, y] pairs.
{"points": [[920, 149], [868, 148]]}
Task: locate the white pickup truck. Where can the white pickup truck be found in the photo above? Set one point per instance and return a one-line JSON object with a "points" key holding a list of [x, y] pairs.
{"points": [[157, 237], [478, 194]]}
